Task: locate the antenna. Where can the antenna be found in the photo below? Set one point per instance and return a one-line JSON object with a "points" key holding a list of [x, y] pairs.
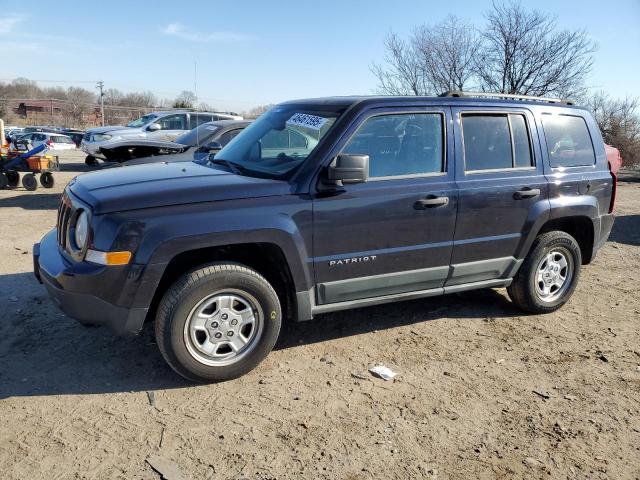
{"points": [[195, 92]]}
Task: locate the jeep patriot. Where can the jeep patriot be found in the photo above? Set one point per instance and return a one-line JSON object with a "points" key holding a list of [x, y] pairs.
{"points": [[331, 204]]}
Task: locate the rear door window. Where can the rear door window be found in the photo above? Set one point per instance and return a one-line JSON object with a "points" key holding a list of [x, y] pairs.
{"points": [[226, 137], [173, 122], [568, 141], [495, 141]]}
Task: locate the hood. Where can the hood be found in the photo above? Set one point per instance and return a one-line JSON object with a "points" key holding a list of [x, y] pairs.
{"points": [[106, 129], [165, 184], [186, 156], [132, 143]]}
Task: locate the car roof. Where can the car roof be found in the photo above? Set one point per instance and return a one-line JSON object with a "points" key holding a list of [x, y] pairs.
{"points": [[228, 123], [52, 134], [352, 100], [168, 112]]}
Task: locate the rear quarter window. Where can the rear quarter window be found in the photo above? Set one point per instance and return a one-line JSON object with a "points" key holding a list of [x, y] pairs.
{"points": [[568, 141]]}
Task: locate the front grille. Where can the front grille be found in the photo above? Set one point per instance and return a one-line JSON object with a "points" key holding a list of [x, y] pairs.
{"points": [[65, 210]]}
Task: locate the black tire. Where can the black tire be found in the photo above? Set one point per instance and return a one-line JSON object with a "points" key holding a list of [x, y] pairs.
{"points": [[29, 182], [14, 178], [525, 288], [4, 181], [193, 288], [46, 180], [91, 160]]}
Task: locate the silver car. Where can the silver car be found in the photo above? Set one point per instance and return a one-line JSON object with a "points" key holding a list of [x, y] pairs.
{"points": [[163, 126]]}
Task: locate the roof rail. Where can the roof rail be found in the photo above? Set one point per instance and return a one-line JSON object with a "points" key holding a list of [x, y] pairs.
{"points": [[458, 93]]}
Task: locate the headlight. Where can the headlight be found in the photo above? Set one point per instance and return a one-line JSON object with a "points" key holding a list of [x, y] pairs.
{"points": [[98, 137], [81, 230]]}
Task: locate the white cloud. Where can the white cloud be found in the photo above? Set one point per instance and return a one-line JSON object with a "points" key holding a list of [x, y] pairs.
{"points": [[9, 22], [14, 47], [191, 35]]}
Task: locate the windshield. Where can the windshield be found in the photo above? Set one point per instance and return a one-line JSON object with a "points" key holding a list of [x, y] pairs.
{"points": [[198, 135], [280, 139], [142, 120]]}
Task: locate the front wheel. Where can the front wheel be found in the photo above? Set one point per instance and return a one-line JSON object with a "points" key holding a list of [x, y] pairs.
{"points": [[549, 275], [218, 322]]}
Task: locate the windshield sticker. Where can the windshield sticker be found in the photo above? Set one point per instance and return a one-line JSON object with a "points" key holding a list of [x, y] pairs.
{"points": [[305, 120]]}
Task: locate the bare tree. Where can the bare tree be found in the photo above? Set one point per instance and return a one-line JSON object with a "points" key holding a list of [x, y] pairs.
{"points": [[79, 103], [403, 70], [434, 58], [186, 99], [619, 122], [206, 107], [255, 112], [448, 53], [524, 53], [24, 88]]}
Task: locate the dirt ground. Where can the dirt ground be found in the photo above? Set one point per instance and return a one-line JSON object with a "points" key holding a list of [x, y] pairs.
{"points": [[77, 402]]}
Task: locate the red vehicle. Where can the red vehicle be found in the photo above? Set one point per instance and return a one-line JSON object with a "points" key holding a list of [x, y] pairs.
{"points": [[614, 158]]}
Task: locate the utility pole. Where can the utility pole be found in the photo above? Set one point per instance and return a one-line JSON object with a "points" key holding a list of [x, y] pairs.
{"points": [[101, 86]]}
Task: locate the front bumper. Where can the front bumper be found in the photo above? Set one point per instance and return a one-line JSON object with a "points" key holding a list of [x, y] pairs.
{"points": [[91, 148], [76, 289]]}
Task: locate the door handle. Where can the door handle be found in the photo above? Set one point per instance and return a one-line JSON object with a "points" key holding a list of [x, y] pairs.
{"points": [[526, 193], [430, 201]]}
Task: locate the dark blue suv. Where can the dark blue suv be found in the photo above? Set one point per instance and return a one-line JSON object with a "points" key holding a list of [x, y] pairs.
{"points": [[330, 204]]}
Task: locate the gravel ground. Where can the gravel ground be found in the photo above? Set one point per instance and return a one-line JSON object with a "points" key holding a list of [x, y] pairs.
{"points": [[76, 402]]}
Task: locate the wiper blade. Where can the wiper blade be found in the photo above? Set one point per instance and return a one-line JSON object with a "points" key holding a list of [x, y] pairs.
{"points": [[233, 166]]}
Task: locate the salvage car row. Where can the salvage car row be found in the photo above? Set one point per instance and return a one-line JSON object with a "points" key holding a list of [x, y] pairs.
{"points": [[184, 134]]}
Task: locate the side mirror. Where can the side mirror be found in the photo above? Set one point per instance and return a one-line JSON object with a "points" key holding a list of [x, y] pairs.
{"points": [[154, 127], [349, 169]]}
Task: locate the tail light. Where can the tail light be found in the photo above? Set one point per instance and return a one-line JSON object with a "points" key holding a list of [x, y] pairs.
{"points": [[49, 142], [614, 187]]}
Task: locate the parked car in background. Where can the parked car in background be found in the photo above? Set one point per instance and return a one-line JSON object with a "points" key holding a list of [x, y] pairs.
{"points": [[614, 158], [12, 133], [54, 141], [75, 135], [162, 126], [41, 128], [195, 145]]}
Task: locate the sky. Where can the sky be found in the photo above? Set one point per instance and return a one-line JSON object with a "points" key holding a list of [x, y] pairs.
{"points": [[240, 54]]}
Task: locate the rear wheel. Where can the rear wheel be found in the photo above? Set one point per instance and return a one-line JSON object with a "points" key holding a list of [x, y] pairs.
{"points": [[91, 160], [218, 322], [549, 275], [46, 180], [29, 182], [4, 182]]}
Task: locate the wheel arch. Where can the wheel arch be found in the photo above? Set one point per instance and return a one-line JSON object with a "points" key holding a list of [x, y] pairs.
{"points": [[266, 258], [580, 227]]}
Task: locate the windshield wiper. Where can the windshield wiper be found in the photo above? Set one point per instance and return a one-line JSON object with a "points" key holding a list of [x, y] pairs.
{"points": [[233, 166]]}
